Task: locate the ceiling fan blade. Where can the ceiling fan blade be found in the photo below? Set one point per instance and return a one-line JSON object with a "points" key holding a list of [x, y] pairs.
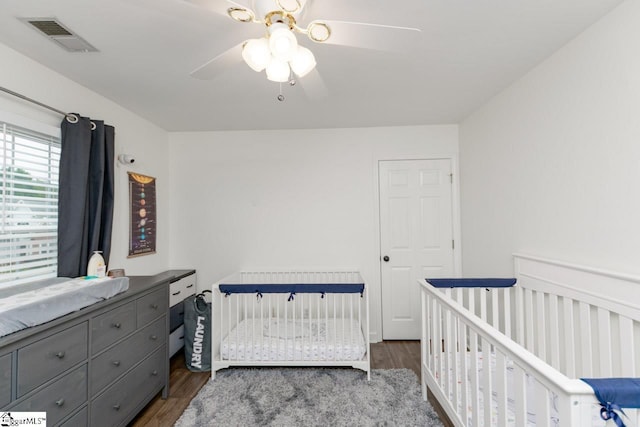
{"points": [[372, 36], [219, 64], [313, 85], [221, 6]]}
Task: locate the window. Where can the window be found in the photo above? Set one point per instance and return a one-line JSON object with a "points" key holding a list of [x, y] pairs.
{"points": [[29, 168]]}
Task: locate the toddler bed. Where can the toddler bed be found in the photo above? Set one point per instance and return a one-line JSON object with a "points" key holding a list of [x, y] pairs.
{"points": [[290, 318], [494, 354]]}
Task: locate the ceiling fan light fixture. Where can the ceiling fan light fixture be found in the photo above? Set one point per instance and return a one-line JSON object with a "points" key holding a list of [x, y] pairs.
{"points": [[278, 71], [318, 31], [240, 14], [291, 6], [256, 54], [282, 42], [303, 62]]}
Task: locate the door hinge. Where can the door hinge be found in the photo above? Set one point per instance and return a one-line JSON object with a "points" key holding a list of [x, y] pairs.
{"points": [[451, 177], [453, 244]]}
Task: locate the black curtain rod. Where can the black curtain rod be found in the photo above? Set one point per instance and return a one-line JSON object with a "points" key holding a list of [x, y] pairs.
{"points": [[70, 117]]}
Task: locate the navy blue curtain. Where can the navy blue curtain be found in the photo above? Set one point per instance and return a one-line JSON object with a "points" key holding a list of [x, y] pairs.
{"points": [[85, 199]]}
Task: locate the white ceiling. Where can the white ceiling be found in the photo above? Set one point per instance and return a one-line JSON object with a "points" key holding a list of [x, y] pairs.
{"points": [[467, 52]]}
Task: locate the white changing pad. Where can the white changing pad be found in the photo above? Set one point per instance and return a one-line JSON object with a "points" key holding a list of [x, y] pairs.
{"points": [[307, 340], [39, 302]]}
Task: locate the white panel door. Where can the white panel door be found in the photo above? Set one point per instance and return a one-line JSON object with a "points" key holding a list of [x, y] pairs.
{"points": [[416, 238]]}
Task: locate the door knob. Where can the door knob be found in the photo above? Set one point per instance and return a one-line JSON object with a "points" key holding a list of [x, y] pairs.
{"points": [[385, 258]]}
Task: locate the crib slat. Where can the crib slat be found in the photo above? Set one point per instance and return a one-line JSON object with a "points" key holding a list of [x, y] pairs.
{"points": [[628, 354], [528, 303], [520, 393], [351, 321], [237, 326], [471, 292], [253, 328], [432, 329], [487, 389], [501, 388], [541, 327], [495, 318], [604, 342], [554, 331], [543, 410], [458, 295], [342, 316], [483, 304], [278, 317], [506, 293], [426, 330], [585, 340], [447, 351], [224, 332], [473, 374], [437, 344], [519, 315], [464, 362], [569, 338], [453, 352]]}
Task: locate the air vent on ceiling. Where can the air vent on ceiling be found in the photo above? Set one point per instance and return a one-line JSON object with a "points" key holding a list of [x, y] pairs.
{"points": [[60, 34]]}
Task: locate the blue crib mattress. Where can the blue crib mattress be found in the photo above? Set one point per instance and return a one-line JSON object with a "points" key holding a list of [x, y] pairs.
{"points": [[39, 302]]}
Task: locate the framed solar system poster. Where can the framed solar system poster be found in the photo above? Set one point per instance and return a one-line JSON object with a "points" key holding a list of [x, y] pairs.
{"points": [[142, 225]]}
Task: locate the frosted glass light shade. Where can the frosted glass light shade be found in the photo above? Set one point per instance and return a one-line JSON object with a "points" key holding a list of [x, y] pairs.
{"points": [[278, 71], [256, 54], [282, 42], [302, 62]]}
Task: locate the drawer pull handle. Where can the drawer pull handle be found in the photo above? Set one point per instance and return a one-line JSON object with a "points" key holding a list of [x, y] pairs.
{"points": [[116, 363], [190, 286], [154, 373], [60, 402], [154, 337], [117, 325], [176, 293], [116, 406], [60, 355], [181, 313], [181, 337], [154, 306]]}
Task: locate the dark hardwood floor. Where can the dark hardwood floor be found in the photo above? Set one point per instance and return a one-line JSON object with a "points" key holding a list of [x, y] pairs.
{"points": [[186, 384]]}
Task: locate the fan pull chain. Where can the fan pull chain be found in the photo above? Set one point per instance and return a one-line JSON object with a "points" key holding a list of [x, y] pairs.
{"points": [[280, 96]]}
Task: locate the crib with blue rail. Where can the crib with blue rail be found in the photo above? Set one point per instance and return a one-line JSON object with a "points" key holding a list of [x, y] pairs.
{"points": [[290, 318], [559, 345]]}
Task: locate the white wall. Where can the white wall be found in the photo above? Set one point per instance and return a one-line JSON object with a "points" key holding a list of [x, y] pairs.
{"points": [[134, 135], [287, 199], [552, 165]]}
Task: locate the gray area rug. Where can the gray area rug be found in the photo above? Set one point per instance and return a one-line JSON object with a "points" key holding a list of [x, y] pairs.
{"points": [[310, 397]]}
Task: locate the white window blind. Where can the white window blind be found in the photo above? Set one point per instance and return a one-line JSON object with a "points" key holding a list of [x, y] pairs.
{"points": [[29, 168]]}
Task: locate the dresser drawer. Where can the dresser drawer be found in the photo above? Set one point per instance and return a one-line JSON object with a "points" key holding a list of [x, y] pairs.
{"points": [[180, 289], [113, 406], [120, 358], [176, 316], [5, 380], [152, 305], [176, 340], [43, 360], [60, 398], [111, 326], [79, 419]]}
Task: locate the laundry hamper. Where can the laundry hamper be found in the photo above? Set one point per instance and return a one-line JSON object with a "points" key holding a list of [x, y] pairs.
{"points": [[197, 332]]}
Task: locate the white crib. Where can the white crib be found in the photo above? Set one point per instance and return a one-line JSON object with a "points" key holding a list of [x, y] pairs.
{"points": [[290, 318], [514, 356]]}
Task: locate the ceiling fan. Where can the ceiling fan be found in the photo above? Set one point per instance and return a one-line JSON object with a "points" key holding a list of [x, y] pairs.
{"points": [[275, 48]]}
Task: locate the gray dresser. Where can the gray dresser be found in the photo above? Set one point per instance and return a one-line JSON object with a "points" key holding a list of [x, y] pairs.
{"points": [[98, 366]]}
